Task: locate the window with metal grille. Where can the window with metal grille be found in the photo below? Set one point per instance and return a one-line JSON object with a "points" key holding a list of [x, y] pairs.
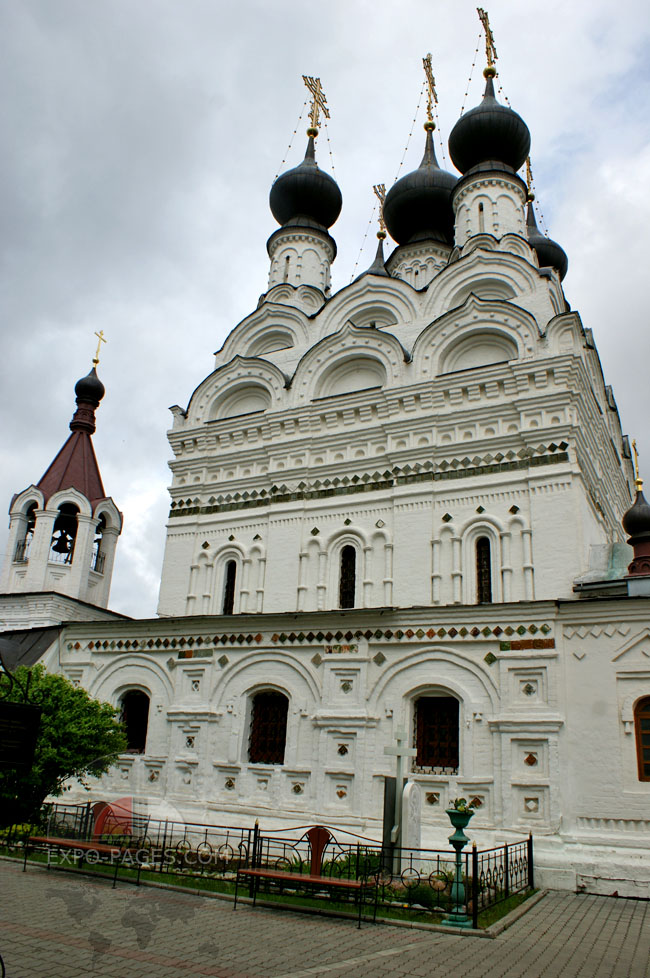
{"points": [[347, 580], [483, 571], [229, 588], [642, 730], [436, 735], [268, 728], [135, 717]]}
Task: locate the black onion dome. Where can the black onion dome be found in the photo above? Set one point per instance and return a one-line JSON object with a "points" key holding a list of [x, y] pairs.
{"points": [[636, 521], [90, 388], [491, 132], [549, 253], [305, 196], [418, 207]]}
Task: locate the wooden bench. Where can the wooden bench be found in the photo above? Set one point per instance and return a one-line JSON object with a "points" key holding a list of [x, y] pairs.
{"points": [[82, 849], [318, 838]]}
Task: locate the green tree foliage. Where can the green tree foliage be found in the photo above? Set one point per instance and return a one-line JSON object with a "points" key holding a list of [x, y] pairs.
{"points": [[79, 737]]}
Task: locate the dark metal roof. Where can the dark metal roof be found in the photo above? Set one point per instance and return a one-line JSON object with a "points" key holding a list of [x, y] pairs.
{"points": [[26, 646], [549, 253], [489, 132], [418, 207], [306, 196], [636, 521]]}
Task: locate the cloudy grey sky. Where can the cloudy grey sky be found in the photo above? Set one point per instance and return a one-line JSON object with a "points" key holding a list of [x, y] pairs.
{"points": [[139, 143]]}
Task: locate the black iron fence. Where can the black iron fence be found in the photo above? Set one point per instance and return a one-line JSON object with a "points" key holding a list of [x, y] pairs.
{"points": [[416, 883]]}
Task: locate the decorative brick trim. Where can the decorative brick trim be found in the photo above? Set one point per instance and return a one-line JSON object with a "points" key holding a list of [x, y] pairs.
{"points": [[420, 472], [199, 646]]}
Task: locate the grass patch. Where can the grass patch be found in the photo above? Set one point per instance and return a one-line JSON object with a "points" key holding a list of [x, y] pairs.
{"points": [[490, 915]]}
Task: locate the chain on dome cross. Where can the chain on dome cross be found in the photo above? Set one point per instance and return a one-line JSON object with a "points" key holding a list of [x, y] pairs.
{"points": [[318, 101], [490, 49], [432, 95]]}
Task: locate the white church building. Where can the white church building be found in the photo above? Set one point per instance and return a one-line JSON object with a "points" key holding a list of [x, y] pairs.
{"points": [[396, 508]]}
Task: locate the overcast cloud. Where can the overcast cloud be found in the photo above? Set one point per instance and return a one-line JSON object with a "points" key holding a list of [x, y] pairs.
{"points": [[139, 143]]}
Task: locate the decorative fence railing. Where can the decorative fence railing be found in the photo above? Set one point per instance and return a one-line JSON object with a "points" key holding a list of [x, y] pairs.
{"points": [[415, 882]]}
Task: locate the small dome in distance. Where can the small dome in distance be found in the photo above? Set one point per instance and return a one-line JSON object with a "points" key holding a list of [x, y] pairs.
{"points": [[636, 521], [306, 196], [489, 133], [90, 388], [549, 252], [418, 207]]}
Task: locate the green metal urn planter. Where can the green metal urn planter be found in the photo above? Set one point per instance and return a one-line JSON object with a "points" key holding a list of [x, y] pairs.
{"points": [[459, 816]]}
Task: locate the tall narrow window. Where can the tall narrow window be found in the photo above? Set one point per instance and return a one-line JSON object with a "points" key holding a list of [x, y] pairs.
{"points": [[436, 734], [229, 588], [64, 534], [97, 563], [22, 547], [483, 571], [268, 728], [642, 730], [347, 580], [135, 717], [481, 218]]}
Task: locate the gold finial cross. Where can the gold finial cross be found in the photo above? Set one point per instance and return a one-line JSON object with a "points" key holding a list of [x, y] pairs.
{"points": [[100, 340], [490, 50], [318, 100], [638, 481], [432, 95], [529, 175], [380, 191]]}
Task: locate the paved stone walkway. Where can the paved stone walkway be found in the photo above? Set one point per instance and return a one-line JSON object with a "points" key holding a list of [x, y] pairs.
{"points": [[55, 926]]}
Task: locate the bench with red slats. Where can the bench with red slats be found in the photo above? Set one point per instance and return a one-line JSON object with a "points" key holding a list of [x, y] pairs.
{"points": [[81, 848], [318, 839]]}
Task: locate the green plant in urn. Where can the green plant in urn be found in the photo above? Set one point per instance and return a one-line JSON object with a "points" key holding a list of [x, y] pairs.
{"points": [[459, 812]]}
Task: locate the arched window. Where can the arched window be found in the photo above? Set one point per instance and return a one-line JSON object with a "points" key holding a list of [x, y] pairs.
{"points": [[268, 731], [642, 730], [64, 534], [97, 563], [230, 577], [135, 717], [347, 578], [483, 571], [22, 547], [435, 734]]}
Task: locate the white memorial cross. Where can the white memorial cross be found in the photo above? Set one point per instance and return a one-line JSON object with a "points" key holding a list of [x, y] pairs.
{"points": [[399, 751]]}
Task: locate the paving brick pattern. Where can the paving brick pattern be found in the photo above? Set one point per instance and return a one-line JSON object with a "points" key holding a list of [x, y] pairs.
{"points": [[53, 925]]}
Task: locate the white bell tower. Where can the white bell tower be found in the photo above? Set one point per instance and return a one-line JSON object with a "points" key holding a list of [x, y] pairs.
{"points": [[63, 531]]}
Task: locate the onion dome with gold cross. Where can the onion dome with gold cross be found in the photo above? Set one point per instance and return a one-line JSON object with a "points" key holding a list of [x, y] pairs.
{"points": [[418, 207], [491, 136], [306, 196], [76, 465], [549, 253], [636, 521]]}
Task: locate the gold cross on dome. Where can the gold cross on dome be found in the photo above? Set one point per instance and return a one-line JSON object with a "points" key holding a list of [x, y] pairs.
{"points": [[432, 95], [318, 100], [490, 49], [637, 479], [100, 340], [380, 191]]}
